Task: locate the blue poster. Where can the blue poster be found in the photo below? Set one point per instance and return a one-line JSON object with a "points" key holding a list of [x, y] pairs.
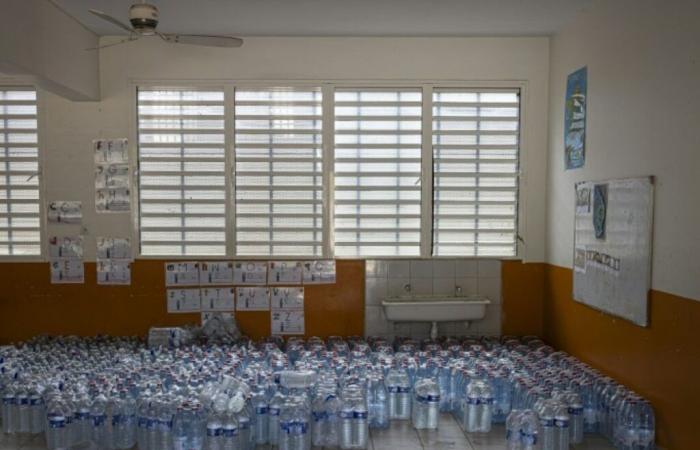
{"points": [[575, 119]]}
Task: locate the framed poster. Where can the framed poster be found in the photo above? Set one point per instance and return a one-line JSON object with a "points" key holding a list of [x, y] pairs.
{"points": [[575, 119]]}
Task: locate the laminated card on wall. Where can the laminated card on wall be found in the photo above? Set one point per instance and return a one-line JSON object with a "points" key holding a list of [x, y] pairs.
{"points": [[113, 248], [250, 272], [65, 211], [319, 272], [209, 315], [287, 322], [67, 271], [182, 274], [252, 299], [217, 272], [112, 176], [113, 200], [66, 247], [218, 299], [114, 271], [284, 272], [111, 151], [183, 300], [287, 297]]}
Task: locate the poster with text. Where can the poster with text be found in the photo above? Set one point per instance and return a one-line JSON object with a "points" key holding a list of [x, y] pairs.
{"points": [[252, 299], [114, 271], [575, 119], [216, 272], [285, 272], [182, 273], [250, 272], [218, 299], [67, 271], [319, 272], [287, 297], [65, 211], [183, 300], [113, 248], [285, 322]]}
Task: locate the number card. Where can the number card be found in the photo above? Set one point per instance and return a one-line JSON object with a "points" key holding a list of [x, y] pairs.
{"points": [[319, 272], [250, 272], [181, 274], [217, 272], [287, 298], [287, 322], [285, 272], [252, 299], [183, 300], [218, 299]]}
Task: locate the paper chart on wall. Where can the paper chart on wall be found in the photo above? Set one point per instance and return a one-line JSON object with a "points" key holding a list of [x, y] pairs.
{"points": [[287, 322], [65, 211], [183, 300], [319, 272], [113, 271], [112, 176], [182, 273], [252, 299], [111, 151], [112, 200], [218, 299], [287, 297], [217, 272], [114, 248], [67, 271], [250, 272], [284, 272], [66, 247], [210, 315]]}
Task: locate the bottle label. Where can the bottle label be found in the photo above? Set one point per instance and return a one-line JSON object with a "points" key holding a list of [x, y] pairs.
{"points": [[214, 432], [547, 422], [393, 389], [297, 428], [151, 424], [360, 414], [561, 423], [346, 414], [261, 410], [319, 415], [472, 401], [98, 421], [576, 410], [404, 390], [230, 432], [142, 422], [528, 438], [23, 400], [244, 423], [57, 422], [35, 401], [274, 411]]}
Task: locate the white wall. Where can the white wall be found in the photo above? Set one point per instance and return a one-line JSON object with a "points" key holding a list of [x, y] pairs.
{"points": [[643, 61], [38, 39], [70, 127]]}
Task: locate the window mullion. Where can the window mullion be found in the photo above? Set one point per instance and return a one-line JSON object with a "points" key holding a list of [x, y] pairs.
{"points": [[328, 190], [229, 175], [427, 174]]}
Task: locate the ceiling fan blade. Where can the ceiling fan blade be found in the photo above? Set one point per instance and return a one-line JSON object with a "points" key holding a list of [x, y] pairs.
{"points": [[131, 38], [112, 20], [201, 39]]}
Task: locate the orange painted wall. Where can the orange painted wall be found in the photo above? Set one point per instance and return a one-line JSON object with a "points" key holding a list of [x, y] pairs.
{"points": [[522, 294], [661, 362], [31, 305]]}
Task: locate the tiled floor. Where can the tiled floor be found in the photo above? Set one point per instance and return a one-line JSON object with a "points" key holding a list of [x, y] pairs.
{"points": [[401, 436]]}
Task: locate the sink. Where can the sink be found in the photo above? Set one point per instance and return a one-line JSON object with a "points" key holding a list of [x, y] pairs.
{"points": [[435, 308]]}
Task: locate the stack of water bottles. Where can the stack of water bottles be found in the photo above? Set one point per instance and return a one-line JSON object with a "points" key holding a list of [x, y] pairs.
{"points": [[116, 393]]}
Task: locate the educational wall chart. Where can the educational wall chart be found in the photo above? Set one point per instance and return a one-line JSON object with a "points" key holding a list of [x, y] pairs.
{"points": [[68, 247], [319, 272], [112, 176], [250, 272], [66, 259], [64, 211], [182, 273], [612, 246], [290, 297], [285, 322], [184, 300], [575, 119], [217, 272], [252, 299], [114, 248], [209, 315], [284, 272], [113, 271], [218, 299]]}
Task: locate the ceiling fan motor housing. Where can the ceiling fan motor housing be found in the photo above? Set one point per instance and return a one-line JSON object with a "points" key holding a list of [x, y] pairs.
{"points": [[144, 17]]}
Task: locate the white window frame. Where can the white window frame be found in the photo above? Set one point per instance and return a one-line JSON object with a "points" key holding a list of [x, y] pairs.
{"points": [[328, 88], [9, 83]]}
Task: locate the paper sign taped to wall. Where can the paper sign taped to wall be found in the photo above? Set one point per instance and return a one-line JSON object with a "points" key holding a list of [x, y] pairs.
{"points": [[287, 297], [67, 271], [287, 322], [284, 272], [65, 211], [183, 300], [182, 273], [216, 272], [66, 247], [114, 271], [112, 200], [218, 299], [111, 151], [252, 299], [209, 315], [250, 272], [319, 272], [113, 248]]}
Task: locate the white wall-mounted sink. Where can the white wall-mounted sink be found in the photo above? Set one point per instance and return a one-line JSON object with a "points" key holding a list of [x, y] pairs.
{"points": [[435, 308]]}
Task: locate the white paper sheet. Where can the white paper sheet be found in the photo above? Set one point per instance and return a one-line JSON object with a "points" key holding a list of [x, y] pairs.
{"points": [[109, 200], [250, 272], [182, 273], [287, 322], [66, 247], [65, 211], [206, 316], [287, 297], [218, 299], [114, 271], [252, 299], [67, 271], [319, 272], [284, 272], [111, 176], [216, 272], [111, 151], [183, 300], [114, 248]]}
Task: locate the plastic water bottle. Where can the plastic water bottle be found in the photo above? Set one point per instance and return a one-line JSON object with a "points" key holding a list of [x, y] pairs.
{"points": [[98, 417], [513, 430], [575, 418], [215, 431], [346, 416], [426, 404], [276, 403], [590, 416], [23, 412], [546, 414], [56, 431], [244, 430], [377, 402], [360, 423], [123, 425], [324, 417], [502, 396], [646, 427], [529, 430], [561, 425], [230, 439], [37, 411], [485, 408], [180, 428], [261, 409], [165, 414], [472, 408], [8, 415], [82, 425], [142, 418]]}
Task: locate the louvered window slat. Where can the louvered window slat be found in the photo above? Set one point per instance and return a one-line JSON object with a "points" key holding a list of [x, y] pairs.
{"points": [[182, 187], [475, 172], [20, 202]]}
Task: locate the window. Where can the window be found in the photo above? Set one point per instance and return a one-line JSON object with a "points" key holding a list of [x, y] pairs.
{"points": [[378, 172], [20, 206], [278, 173], [475, 172], [182, 166]]}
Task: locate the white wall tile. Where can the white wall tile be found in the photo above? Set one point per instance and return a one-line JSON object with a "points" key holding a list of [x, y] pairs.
{"points": [[490, 288], [376, 290], [375, 321], [491, 324], [469, 285], [465, 268], [401, 329], [444, 286], [489, 268], [444, 268], [399, 269], [376, 269], [420, 330], [396, 286], [421, 286], [422, 268]]}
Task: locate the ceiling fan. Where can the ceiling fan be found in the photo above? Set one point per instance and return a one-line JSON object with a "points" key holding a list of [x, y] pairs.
{"points": [[144, 20]]}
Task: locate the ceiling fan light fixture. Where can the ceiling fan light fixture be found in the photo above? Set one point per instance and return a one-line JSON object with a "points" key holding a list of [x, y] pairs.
{"points": [[144, 18]]}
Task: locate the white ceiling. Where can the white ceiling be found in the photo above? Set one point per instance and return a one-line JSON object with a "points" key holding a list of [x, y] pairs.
{"points": [[342, 17]]}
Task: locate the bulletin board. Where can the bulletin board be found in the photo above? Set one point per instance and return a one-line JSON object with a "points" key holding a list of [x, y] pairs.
{"points": [[612, 246]]}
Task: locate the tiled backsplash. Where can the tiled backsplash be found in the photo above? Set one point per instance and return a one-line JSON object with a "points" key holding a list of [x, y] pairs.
{"points": [[440, 276]]}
